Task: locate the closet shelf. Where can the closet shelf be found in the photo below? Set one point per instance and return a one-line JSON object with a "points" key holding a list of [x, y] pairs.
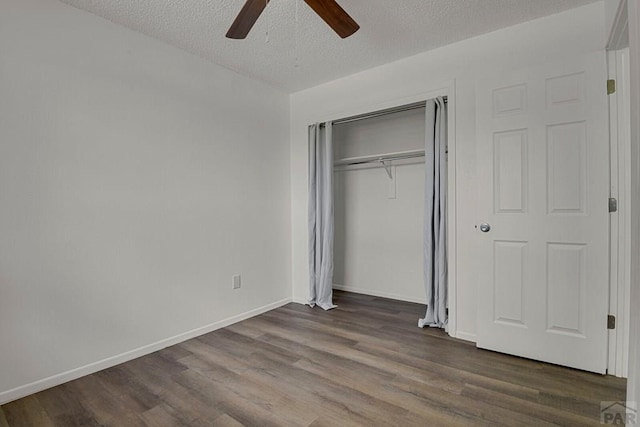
{"points": [[379, 158]]}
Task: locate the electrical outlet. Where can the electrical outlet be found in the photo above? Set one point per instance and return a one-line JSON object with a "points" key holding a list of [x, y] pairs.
{"points": [[236, 282]]}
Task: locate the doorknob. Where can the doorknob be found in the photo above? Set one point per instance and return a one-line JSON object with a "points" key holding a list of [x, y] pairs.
{"points": [[484, 227]]}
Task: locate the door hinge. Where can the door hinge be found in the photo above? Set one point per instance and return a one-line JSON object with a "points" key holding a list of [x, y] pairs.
{"points": [[611, 86], [613, 204], [611, 322]]}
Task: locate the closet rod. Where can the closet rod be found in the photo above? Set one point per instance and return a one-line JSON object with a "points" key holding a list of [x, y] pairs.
{"points": [[380, 158], [373, 114]]}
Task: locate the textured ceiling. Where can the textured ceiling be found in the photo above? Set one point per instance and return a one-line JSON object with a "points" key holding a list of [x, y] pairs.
{"points": [[302, 51]]}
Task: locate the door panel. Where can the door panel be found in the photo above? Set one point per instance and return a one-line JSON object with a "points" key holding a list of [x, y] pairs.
{"points": [[543, 157]]}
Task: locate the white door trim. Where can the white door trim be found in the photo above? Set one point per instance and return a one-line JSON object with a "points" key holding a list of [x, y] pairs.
{"points": [[633, 384], [620, 285]]}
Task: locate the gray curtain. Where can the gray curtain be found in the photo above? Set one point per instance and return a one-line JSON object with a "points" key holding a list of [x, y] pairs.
{"points": [[321, 216], [435, 215]]}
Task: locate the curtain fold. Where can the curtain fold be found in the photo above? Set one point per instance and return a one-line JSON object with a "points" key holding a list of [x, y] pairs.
{"points": [[321, 216], [435, 215]]}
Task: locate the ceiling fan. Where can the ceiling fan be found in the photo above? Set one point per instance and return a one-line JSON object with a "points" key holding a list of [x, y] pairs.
{"points": [[328, 10]]}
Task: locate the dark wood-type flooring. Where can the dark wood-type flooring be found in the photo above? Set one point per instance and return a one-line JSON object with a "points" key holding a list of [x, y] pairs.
{"points": [[364, 363]]}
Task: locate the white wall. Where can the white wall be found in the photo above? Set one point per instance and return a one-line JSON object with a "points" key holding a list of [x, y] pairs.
{"points": [[572, 32], [135, 180], [378, 240], [611, 8]]}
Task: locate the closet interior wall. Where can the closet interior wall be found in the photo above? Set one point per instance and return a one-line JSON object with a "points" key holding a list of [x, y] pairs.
{"points": [[378, 220]]}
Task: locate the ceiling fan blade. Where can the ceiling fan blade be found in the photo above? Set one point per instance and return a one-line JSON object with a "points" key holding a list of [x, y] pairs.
{"points": [[335, 16], [246, 18]]}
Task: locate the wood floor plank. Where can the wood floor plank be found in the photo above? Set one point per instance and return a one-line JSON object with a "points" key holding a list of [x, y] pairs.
{"points": [[191, 410], [282, 407], [121, 386], [64, 405], [534, 409], [106, 408], [226, 421], [28, 412], [365, 363], [346, 403], [240, 409], [380, 388], [162, 415], [3, 419]]}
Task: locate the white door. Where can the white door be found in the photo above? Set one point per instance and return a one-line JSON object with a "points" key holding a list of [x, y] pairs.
{"points": [[543, 152]]}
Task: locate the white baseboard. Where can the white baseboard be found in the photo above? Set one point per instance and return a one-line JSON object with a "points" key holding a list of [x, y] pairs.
{"points": [[466, 336], [380, 294], [52, 381], [299, 300]]}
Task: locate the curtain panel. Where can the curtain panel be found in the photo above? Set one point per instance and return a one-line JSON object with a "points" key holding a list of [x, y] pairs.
{"points": [[435, 215], [321, 225]]}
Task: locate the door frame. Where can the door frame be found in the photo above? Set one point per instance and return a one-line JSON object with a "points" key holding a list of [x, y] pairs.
{"points": [[633, 384], [620, 236], [447, 89]]}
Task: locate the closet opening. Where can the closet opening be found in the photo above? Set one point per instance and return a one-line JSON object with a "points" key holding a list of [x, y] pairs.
{"points": [[389, 195]]}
